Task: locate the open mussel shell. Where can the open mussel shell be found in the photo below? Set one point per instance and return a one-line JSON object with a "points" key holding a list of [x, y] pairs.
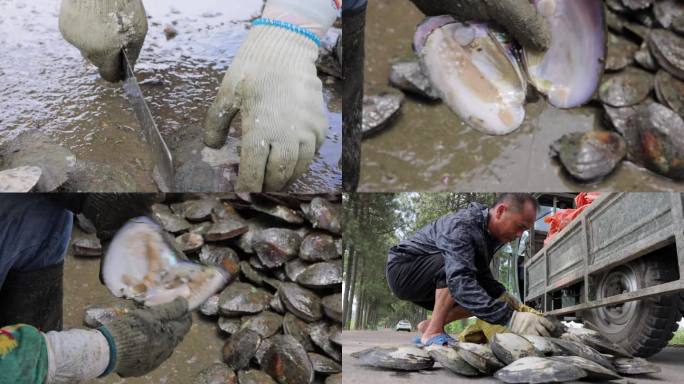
{"points": [[539, 370], [594, 371], [509, 347], [401, 358], [569, 72], [141, 265], [449, 358], [474, 73]]}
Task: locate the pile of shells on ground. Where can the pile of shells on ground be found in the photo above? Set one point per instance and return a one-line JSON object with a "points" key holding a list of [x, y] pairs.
{"points": [[281, 310], [640, 96], [577, 354]]}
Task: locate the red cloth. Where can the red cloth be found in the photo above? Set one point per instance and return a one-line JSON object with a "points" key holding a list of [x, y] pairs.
{"points": [[563, 217]]}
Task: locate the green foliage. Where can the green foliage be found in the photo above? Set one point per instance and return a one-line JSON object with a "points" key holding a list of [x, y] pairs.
{"points": [[457, 327], [678, 338]]}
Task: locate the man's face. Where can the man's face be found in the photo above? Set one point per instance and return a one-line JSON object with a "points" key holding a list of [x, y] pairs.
{"points": [[508, 224]]}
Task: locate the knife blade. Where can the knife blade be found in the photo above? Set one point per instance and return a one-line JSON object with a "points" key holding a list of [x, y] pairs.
{"points": [[164, 171]]}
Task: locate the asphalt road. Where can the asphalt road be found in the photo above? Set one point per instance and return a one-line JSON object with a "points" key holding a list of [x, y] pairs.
{"points": [[670, 360]]}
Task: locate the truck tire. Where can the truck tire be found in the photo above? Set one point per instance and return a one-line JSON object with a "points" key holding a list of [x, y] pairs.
{"points": [[643, 327]]}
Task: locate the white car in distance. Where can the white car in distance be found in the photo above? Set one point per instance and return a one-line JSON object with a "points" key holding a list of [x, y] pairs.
{"points": [[403, 325]]}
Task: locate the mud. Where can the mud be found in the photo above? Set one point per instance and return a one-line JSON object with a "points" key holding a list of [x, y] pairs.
{"points": [[430, 149], [46, 86]]}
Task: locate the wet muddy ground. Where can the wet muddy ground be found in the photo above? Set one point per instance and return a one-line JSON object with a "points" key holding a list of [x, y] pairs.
{"points": [[47, 88], [430, 149], [200, 348]]}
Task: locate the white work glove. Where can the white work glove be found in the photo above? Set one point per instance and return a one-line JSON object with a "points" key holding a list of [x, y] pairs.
{"points": [[527, 323], [101, 28], [273, 83], [142, 340]]}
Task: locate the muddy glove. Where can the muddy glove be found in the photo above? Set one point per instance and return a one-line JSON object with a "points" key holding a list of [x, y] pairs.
{"points": [[526, 323], [100, 29], [272, 82], [519, 17], [145, 338]]}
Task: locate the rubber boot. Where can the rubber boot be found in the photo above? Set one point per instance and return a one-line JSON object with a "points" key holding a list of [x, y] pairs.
{"points": [[33, 298], [353, 24]]}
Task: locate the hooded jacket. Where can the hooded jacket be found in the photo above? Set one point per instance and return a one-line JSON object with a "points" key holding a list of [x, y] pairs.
{"points": [[467, 246]]}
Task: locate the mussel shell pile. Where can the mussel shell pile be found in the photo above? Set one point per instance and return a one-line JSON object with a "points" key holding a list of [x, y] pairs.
{"points": [[638, 54], [281, 309], [642, 90], [515, 358]]}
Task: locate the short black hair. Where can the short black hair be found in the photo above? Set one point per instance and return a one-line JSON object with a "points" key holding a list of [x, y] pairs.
{"points": [[517, 200]]}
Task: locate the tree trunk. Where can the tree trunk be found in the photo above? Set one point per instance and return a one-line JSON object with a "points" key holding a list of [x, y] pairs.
{"points": [[352, 285], [348, 297]]}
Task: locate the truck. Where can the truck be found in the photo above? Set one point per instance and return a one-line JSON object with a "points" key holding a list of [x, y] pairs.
{"points": [[618, 268]]}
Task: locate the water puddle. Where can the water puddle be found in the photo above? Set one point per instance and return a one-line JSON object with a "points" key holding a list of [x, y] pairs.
{"points": [[47, 87]]}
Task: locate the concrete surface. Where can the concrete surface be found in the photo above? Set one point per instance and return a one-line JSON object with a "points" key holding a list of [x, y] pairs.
{"points": [[670, 360]]}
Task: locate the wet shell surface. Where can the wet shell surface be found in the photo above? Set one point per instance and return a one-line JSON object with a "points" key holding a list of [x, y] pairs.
{"points": [[569, 72], [598, 342], [20, 179], [574, 348], [590, 156], [140, 265], [543, 345], [594, 371], [400, 358], [627, 88], [539, 370], [450, 359], [509, 347], [473, 73], [634, 366], [480, 357]]}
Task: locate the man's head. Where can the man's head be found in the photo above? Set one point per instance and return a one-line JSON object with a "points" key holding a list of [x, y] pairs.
{"points": [[511, 215]]}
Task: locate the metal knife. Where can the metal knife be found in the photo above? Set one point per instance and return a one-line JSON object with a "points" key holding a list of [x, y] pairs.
{"points": [[163, 170]]}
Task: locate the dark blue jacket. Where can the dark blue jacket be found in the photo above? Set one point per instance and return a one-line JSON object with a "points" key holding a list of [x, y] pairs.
{"points": [[464, 241], [348, 5]]}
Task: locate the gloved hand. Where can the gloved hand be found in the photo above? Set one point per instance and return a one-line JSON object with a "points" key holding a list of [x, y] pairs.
{"points": [[272, 81], [519, 17], [527, 323], [100, 29], [511, 300], [110, 211], [145, 338]]}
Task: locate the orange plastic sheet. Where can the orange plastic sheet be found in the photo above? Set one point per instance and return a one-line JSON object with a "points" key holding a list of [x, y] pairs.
{"points": [[563, 217]]}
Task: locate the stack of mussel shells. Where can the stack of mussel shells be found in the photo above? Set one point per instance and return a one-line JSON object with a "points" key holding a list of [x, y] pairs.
{"points": [[640, 98], [641, 93], [578, 354], [282, 307]]}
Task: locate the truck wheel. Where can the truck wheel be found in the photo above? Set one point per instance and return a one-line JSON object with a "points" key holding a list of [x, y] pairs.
{"points": [[642, 327]]}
